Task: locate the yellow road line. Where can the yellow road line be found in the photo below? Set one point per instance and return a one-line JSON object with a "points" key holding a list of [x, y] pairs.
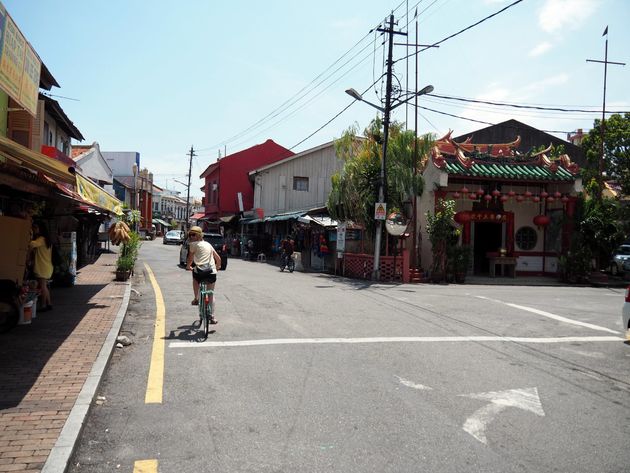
{"points": [[145, 466], [155, 383]]}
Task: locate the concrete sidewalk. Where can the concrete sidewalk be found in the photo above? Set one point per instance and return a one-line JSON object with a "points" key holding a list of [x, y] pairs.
{"points": [[50, 369]]}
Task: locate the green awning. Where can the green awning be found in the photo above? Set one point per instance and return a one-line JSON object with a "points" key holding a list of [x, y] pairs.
{"points": [[521, 172], [161, 222], [286, 216]]}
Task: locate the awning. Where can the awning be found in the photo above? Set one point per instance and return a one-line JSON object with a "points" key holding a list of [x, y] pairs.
{"points": [[197, 216], [97, 195], [248, 221], [321, 220], [27, 158], [283, 217], [161, 222], [227, 218]]}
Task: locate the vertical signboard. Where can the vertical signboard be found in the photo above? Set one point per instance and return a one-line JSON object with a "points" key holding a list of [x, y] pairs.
{"points": [[12, 61], [341, 237], [29, 92], [19, 65]]}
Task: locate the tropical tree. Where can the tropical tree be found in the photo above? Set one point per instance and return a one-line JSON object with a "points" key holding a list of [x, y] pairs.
{"points": [[616, 150], [355, 188]]}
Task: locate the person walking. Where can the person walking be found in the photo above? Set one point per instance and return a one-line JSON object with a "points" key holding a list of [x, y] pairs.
{"points": [[41, 256]]}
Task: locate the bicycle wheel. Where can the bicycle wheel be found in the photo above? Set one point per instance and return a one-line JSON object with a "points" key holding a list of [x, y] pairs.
{"points": [[206, 318], [283, 263]]}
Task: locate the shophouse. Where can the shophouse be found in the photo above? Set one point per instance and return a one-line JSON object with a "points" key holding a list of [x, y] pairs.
{"points": [[291, 195]]}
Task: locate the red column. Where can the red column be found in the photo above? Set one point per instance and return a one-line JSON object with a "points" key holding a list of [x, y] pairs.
{"points": [[510, 232]]}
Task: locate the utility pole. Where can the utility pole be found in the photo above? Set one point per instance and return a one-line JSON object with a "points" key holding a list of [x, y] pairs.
{"points": [[192, 154], [603, 124], [382, 188]]}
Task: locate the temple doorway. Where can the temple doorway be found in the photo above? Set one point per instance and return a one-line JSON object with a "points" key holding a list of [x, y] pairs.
{"points": [[487, 238]]}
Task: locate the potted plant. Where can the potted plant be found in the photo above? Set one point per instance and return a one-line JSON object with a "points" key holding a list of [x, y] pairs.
{"points": [[461, 261], [124, 267], [440, 229]]}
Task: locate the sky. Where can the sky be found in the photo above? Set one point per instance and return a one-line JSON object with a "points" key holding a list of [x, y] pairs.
{"points": [[161, 77]]}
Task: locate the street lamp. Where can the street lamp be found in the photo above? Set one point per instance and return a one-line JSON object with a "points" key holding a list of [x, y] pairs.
{"points": [[386, 110]]}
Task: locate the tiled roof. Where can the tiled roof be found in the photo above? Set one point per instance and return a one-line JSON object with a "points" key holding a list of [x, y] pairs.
{"points": [[509, 171]]}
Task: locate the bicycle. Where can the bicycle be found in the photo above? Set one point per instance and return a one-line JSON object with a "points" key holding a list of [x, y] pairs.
{"points": [[287, 262], [206, 317]]}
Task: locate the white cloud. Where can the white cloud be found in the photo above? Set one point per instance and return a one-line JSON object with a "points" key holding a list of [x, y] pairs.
{"points": [[539, 87], [540, 49], [556, 15]]}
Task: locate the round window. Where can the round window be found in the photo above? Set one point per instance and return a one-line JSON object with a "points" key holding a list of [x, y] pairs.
{"points": [[526, 238]]}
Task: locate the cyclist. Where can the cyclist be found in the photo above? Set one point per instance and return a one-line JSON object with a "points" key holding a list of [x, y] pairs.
{"points": [[286, 247], [205, 259]]}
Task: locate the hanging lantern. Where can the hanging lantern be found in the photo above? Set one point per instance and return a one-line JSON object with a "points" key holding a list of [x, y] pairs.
{"points": [[557, 194], [465, 190], [527, 194], [496, 193], [511, 193], [456, 195], [504, 198], [480, 191], [472, 196], [487, 197], [564, 199], [544, 195], [550, 199], [536, 199], [520, 198], [541, 220], [462, 217]]}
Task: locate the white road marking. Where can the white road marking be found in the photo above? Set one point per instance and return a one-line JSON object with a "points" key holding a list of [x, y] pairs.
{"points": [[526, 399], [551, 316], [320, 341], [411, 384]]}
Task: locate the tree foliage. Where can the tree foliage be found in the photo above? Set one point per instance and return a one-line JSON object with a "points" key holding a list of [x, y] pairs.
{"points": [[616, 150], [355, 188]]}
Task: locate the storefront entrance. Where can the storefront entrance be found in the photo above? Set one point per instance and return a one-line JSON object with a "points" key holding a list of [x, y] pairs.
{"points": [[487, 238]]}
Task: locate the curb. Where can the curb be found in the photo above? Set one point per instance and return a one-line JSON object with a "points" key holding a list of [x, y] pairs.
{"points": [[59, 456]]}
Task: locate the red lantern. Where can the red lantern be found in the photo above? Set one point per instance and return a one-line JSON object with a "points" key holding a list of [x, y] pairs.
{"points": [[472, 196], [557, 194], [550, 199], [564, 199], [465, 190], [536, 199], [496, 193], [480, 191], [511, 193], [527, 194], [456, 195], [544, 195], [487, 197], [462, 217], [519, 198], [504, 198], [541, 220]]}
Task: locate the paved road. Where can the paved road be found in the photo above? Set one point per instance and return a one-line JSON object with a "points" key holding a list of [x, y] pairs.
{"points": [[312, 373]]}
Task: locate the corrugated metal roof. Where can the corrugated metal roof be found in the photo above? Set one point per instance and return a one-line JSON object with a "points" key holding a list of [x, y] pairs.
{"points": [[509, 171]]}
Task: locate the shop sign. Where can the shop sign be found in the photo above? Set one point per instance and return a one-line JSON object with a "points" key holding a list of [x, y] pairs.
{"points": [[94, 194], [341, 237], [353, 234], [20, 66], [487, 217]]}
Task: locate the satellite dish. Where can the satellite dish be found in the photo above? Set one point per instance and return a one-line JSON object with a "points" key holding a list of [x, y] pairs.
{"points": [[396, 224]]}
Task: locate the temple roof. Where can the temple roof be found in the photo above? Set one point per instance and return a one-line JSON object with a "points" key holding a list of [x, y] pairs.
{"points": [[500, 161]]}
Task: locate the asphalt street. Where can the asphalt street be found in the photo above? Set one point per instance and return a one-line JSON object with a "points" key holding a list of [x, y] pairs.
{"points": [[316, 373]]}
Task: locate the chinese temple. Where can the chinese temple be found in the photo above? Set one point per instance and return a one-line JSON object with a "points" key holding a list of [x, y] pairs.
{"points": [[510, 205]]}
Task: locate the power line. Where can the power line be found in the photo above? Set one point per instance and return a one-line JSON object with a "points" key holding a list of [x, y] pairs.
{"points": [[479, 121], [514, 105], [462, 30]]}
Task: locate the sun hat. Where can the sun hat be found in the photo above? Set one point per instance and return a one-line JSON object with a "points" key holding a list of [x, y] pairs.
{"points": [[195, 230]]}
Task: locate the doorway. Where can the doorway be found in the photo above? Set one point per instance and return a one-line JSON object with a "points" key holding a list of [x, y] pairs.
{"points": [[487, 238]]}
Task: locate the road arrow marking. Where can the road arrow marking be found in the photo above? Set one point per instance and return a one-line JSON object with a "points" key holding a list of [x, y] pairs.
{"points": [[411, 384], [526, 399]]}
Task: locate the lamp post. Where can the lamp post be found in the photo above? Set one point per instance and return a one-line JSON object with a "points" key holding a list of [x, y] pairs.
{"points": [[134, 170], [382, 188]]}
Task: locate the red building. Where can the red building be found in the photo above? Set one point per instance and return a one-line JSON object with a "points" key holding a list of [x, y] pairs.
{"points": [[228, 177]]}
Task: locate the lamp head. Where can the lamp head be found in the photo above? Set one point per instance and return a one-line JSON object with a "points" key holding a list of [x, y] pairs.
{"points": [[426, 90], [354, 94]]}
